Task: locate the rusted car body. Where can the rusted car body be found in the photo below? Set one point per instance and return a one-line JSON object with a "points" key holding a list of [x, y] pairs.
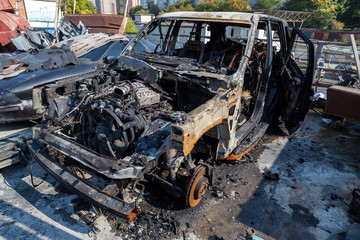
{"points": [[208, 92]]}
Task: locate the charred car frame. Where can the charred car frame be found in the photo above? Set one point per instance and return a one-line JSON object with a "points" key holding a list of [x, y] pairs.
{"points": [[208, 92]]}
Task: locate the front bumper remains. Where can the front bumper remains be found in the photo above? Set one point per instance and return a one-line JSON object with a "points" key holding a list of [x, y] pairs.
{"points": [[80, 187], [18, 112]]}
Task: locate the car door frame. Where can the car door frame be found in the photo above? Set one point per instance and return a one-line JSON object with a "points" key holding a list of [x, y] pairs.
{"points": [[296, 107]]}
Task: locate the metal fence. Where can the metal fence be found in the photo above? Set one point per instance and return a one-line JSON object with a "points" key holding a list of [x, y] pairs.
{"points": [[334, 63]]}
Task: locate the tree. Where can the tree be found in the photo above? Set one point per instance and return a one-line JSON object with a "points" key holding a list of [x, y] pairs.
{"points": [[324, 12], [153, 9], [143, 11], [131, 27], [337, 25], [179, 6], [81, 7], [210, 6], [351, 15], [234, 5], [134, 10], [268, 4]]}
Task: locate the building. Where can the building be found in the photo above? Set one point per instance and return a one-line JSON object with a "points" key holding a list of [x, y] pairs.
{"points": [[21, 6], [41, 14], [160, 4], [144, 4], [104, 7], [141, 19], [134, 3], [120, 6]]}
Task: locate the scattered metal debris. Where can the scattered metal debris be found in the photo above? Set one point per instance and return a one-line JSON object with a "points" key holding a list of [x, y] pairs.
{"points": [[46, 59], [34, 40], [149, 225], [271, 176], [355, 202], [68, 30]]}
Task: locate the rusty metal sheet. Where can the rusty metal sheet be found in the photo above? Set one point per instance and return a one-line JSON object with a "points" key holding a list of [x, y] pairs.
{"points": [[97, 22], [83, 44], [9, 25], [343, 102], [22, 43], [21, 4], [5, 6]]}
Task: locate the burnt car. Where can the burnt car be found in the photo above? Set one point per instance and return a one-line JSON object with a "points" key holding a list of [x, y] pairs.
{"points": [[23, 84], [208, 91]]}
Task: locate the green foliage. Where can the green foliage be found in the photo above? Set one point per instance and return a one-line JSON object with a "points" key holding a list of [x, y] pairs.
{"points": [[153, 9], [351, 15], [234, 5], [324, 12], [131, 27], [134, 10], [210, 6], [337, 25], [179, 6], [81, 7], [143, 11], [268, 4]]}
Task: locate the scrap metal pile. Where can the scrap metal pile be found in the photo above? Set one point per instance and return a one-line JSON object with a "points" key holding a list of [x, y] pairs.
{"points": [[165, 116], [34, 40]]}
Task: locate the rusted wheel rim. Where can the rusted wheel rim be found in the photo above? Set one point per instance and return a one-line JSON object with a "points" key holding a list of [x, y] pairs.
{"points": [[196, 187]]}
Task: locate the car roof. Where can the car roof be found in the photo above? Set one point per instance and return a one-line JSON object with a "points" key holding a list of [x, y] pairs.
{"points": [[83, 44], [236, 17]]}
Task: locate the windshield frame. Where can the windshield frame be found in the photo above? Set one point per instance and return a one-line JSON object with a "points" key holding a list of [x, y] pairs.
{"points": [[235, 78]]}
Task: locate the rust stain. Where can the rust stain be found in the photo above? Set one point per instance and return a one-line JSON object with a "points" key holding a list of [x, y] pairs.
{"points": [[190, 140], [133, 213], [233, 157]]}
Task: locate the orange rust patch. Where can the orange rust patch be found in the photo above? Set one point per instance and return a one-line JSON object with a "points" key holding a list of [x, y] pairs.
{"points": [[233, 157], [189, 141], [191, 199], [133, 213]]}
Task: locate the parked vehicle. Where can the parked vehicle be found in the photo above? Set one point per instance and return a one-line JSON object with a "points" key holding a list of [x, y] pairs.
{"points": [[208, 91]]}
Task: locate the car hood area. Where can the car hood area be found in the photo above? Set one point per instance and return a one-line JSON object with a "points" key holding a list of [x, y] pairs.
{"points": [[23, 84]]}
